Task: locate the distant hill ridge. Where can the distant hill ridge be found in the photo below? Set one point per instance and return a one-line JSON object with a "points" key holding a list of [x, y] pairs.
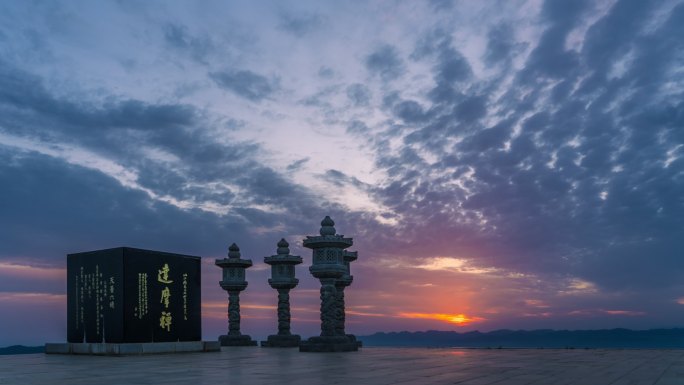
{"points": [[21, 349], [546, 338]]}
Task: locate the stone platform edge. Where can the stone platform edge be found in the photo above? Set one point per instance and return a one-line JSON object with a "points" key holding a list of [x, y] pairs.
{"points": [[110, 349]]}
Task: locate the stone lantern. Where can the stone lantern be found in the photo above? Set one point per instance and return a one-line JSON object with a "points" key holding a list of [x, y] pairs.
{"points": [[328, 266], [283, 279], [234, 282]]}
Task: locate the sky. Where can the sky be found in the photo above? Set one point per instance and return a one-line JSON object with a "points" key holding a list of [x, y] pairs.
{"points": [[509, 164]]}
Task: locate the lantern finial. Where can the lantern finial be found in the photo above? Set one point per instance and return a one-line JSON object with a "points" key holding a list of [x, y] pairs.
{"points": [[327, 226]]}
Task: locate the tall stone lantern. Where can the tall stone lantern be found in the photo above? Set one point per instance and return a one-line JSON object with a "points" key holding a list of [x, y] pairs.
{"points": [[234, 282], [328, 266], [283, 279]]}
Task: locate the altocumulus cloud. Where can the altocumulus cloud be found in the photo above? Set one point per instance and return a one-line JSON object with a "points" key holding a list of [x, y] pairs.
{"points": [[245, 83], [571, 164]]}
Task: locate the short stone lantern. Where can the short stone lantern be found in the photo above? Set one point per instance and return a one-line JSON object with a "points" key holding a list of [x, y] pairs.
{"points": [[328, 266], [234, 282], [283, 279]]}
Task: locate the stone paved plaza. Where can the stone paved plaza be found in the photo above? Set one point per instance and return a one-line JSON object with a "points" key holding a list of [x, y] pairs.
{"points": [[253, 365]]}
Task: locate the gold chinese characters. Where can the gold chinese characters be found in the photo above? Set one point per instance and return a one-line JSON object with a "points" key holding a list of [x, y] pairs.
{"points": [[163, 277]]}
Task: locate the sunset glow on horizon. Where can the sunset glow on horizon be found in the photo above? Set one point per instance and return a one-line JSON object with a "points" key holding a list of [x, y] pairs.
{"points": [[457, 319]]}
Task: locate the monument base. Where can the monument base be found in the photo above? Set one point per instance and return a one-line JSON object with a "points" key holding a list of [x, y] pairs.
{"points": [[239, 340], [329, 344], [278, 341], [133, 348]]}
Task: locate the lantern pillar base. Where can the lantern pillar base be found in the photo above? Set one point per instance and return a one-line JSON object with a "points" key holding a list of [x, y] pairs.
{"points": [[277, 341], [236, 340]]}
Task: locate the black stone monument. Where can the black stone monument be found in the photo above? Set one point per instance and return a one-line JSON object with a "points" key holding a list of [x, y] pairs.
{"points": [[125, 295]]}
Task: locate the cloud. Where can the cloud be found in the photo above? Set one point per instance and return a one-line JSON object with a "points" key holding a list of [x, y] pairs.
{"points": [[28, 104], [151, 156], [442, 5], [178, 37], [298, 164], [246, 84], [326, 72], [409, 111], [501, 45], [526, 170], [471, 109], [357, 127], [385, 62], [550, 58], [301, 25], [358, 94]]}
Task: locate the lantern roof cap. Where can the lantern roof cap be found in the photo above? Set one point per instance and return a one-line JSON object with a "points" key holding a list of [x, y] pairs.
{"points": [[283, 256], [233, 259]]}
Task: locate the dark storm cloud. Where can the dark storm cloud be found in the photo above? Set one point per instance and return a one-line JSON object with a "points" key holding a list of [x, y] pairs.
{"points": [[245, 83], [570, 178], [385, 62]]}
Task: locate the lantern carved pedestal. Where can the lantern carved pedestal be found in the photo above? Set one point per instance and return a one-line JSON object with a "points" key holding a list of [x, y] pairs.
{"points": [[330, 268], [234, 282], [340, 285], [283, 279]]}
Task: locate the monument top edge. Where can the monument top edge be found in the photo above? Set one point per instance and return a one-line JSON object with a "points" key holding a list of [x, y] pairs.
{"points": [[125, 249]]}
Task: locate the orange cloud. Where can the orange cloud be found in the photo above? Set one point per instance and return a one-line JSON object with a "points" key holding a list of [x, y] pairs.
{"points": [[31, 272], [32, 298], [624, 312], [456, 319], [536, 303]]}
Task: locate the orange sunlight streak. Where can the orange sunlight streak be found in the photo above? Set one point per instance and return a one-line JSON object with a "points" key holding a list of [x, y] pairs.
{"points": [[456, 319]]}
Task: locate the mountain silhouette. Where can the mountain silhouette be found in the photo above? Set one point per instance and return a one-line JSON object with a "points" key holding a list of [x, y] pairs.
{"points": [[21, 349], [545, 338]]}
